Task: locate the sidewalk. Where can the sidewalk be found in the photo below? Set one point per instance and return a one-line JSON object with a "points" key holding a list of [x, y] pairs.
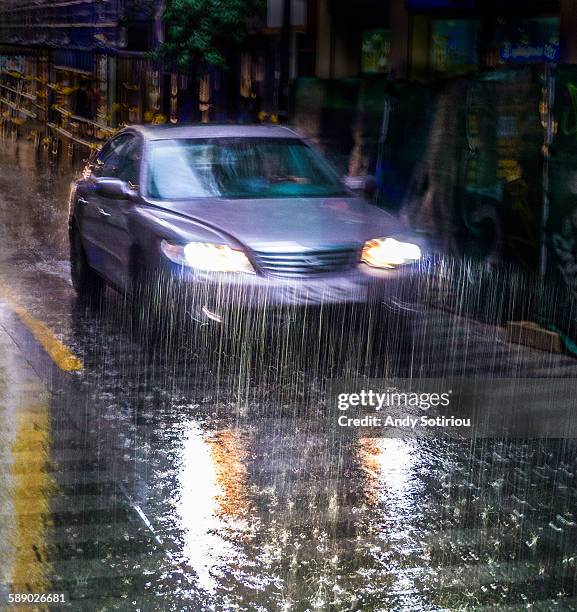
{"points": [[26, 484]]}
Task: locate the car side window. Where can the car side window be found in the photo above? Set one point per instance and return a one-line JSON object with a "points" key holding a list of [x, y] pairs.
{"points": [[129, 163], [106, 162]]}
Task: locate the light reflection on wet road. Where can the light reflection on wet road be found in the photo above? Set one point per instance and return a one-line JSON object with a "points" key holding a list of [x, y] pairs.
{"points": [[188, 481]]}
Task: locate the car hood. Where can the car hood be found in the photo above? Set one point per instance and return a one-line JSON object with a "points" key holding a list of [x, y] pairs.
{"points": [[292, 223]]}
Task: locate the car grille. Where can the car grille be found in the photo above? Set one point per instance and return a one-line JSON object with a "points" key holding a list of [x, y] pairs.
{"points": [[307, 263]]}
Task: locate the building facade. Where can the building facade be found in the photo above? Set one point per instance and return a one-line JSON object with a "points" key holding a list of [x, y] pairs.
{"points": [[79, 68], [431, 39], [83, 67]]}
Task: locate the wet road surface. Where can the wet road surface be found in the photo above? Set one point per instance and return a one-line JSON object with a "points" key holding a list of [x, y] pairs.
{"points": [[185, 478]]}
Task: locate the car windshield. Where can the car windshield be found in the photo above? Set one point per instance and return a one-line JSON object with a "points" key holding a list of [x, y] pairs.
{"points": [[238, 168]]}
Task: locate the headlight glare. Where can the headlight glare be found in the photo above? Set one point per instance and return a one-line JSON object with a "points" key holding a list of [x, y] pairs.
{"points": [[208, 257], [389, 253]]}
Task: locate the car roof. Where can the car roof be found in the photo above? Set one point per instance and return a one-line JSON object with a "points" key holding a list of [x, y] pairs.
{"points": [[225, 130]]}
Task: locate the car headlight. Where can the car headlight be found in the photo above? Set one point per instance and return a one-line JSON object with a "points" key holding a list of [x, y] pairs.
{"points": [[389, 253], [207, 256]]}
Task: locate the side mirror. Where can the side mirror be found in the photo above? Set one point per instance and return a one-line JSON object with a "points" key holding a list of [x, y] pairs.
{"points": [[114, 188], [365, 185]]}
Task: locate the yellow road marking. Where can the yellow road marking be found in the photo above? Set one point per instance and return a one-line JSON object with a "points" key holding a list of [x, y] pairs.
{"points": [[62, 356], [31, 515]]}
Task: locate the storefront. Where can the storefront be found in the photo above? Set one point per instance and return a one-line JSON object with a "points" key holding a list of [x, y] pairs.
{"points": [[23, 78], [79, 97], [138, 90], [455, 38]]}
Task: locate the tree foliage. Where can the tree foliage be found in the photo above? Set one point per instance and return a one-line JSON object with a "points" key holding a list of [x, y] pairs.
{"points": [[199, 31]]}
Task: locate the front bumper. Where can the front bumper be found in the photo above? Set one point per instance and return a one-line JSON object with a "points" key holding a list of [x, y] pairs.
{"points": [[218, 296]]}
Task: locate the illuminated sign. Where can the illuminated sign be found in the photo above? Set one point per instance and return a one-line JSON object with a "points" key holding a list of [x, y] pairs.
{"points": [[523, 41], [529, 53], [376, 50], [454, 45]]}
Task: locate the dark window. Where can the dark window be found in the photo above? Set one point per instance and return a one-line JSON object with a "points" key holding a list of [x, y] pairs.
{"points": [[137, 36], [107, 161], [129, 163]]}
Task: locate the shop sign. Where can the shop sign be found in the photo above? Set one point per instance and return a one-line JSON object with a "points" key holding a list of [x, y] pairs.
{"points": [[376, 50], [548, 52], [522, 41], [455, 45]]}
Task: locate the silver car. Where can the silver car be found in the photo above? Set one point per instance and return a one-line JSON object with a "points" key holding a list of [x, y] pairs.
{"points": [[231, 217]]}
